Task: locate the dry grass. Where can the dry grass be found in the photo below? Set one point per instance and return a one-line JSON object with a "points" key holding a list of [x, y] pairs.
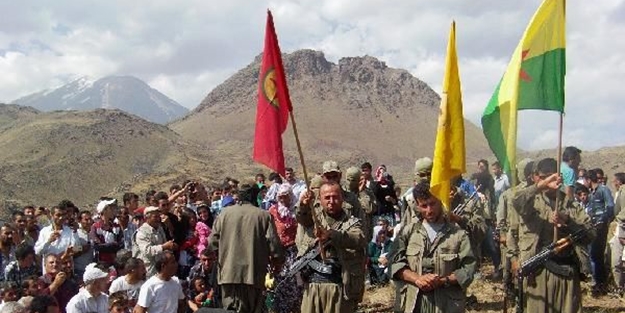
{"points": [[490, 298]]}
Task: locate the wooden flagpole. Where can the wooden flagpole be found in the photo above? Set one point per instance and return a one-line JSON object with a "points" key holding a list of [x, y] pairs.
{"points": [[559, 163], [301, 158], [299, 149]]}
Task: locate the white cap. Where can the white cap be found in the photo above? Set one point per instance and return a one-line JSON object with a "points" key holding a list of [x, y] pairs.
{"points": [[103, 204]]}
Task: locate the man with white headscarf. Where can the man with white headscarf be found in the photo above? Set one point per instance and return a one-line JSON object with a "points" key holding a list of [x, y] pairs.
{"points": [[91, 298]]}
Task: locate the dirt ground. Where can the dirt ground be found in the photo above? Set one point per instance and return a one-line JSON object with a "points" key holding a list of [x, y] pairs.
{"points": [[490, 298]]}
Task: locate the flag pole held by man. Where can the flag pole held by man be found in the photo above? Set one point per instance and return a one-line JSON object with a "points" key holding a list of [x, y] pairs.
{"points": [[534, 79]]}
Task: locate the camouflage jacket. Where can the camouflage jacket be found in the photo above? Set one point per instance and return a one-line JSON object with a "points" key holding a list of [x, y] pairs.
{"points": [[536, 230], [450, 252], [348, 244]]}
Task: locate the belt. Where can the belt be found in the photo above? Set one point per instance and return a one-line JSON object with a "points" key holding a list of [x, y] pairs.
{"points": [[328, 279], [564, 270]]}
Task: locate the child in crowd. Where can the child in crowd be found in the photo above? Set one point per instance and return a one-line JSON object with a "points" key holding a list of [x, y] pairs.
{"points": [[202, 231], [118, 303], [200, 295]]}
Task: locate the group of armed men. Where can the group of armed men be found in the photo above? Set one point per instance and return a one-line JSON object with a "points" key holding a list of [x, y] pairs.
{"points": [[543, 231]]}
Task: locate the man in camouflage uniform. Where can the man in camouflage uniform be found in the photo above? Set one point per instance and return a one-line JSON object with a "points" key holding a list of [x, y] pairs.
{"points": [[433, 257], [304, 233], [422, 172], [618, 241], [357, 184], [351, 201], [554, 287], [335, 281], [471, 219], [508, 224]]}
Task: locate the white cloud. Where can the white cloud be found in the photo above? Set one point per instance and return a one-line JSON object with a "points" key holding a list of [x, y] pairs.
{"points": [[186, 48]]}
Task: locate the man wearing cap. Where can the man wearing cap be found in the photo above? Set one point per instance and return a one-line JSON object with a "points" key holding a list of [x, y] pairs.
{"points": [[92, 297], [335, 281], [106, 235], [422, 172], [150, 240], [247, 244], [357, 184], [351, 203]]}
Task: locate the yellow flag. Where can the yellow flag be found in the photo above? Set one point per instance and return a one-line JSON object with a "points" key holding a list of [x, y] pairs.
{"points": [[449, 152]]}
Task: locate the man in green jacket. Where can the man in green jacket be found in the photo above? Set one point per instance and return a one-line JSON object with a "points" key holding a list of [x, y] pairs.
{"points": [[554, 287], [247, 244], [433, 257], [334, 283]]}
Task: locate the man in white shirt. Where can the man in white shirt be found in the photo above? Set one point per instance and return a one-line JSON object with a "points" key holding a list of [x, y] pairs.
{"points": [[56, 238], [91, 298], [502, 183], [297, 185], [162, 293]]}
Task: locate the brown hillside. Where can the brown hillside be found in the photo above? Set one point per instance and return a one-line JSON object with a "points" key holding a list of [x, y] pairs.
{"points": [[9, 113], [47, 157], [356, 110]]}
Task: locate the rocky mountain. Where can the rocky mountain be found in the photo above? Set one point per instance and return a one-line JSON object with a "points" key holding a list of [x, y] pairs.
{"points": [[126, 93], [354, 111], [47, 157]]}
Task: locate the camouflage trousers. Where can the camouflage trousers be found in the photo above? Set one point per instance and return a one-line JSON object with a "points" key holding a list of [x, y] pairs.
{"points": [[326, 298], [549, 293]]}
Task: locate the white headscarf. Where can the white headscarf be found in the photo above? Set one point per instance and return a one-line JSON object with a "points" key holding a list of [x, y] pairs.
{"points": [[285, 189]]}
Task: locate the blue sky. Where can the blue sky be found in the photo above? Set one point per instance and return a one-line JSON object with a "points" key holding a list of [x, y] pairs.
{"points": [[186, 48]]}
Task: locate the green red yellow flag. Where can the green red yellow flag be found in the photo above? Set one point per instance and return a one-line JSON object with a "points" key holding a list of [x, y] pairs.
{"points": [[534, 79], [449, 150]]}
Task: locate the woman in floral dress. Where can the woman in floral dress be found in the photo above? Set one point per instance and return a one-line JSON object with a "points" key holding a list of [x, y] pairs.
{"points": [[288, 296]]}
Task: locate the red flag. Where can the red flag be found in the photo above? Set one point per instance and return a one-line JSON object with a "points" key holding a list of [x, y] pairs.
{"points": [[274, 104]]}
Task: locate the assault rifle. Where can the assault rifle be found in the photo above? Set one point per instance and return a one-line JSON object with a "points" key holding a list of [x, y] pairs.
{"points": [[532, 264], [311, 254], [460, 208]]}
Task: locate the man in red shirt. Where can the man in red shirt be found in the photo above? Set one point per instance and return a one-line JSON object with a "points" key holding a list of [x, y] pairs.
{"points": [[106, 235]]}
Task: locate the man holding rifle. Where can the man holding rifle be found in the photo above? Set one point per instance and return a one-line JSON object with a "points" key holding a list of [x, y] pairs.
{"points": [[334, 282], [555, 285]]}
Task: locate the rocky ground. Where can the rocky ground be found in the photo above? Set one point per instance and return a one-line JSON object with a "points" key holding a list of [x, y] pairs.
{"points": [[490, 298]]}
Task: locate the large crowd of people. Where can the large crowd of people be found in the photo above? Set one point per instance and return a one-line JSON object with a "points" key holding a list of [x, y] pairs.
{"points": [[197, 248]]}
